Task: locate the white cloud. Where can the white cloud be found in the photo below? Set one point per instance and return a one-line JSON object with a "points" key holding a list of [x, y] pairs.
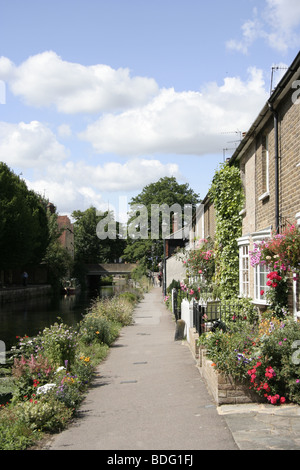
{"points": [[78, 185], [283, 16], [251, 30], [113, 176], [276, 25], [64, 130], [29, 145], [46, 80], [181, 123]]}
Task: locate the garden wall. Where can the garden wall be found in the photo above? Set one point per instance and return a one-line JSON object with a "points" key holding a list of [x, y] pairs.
{"points": [[223, 388]]}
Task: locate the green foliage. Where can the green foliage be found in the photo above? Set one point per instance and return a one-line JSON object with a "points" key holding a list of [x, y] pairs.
{"points": [[88, 247], [96, 328], [24, 232], [228, 197], [266, 356], [165, 191], [277, 294], [52, 371], [15, 434], [43, 414], [201, 261], [29, 373], [239, 310], [115, 310], [59, 343]]}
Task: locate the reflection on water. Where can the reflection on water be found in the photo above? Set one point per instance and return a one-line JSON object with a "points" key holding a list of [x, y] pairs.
{"points": [[31, 316]]}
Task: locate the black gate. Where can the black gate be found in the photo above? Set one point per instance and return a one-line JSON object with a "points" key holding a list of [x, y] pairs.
{"points": [[175, 307]]}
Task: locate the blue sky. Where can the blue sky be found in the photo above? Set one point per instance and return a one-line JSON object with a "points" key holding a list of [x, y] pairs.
{"points": [[104, 97]]}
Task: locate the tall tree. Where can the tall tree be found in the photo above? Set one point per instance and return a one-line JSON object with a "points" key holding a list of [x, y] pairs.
{"points": [[24, 234], [90, 247], [143, 245]]}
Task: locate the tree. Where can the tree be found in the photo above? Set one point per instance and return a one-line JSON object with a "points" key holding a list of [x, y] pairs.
{"points": [[89, 247], [167, 191], [24, 234]]}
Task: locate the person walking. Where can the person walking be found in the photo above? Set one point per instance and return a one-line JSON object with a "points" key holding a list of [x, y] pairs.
{"points": [[25, 278]]}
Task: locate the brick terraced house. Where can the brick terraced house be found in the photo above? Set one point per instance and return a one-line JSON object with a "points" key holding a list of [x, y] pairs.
{"points": [[269, 160]]}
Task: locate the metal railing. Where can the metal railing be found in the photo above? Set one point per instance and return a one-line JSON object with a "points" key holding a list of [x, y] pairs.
{"points": [[216, 314]]}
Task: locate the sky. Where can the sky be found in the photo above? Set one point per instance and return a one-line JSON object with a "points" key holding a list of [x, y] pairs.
{"points": [[99, 98]]}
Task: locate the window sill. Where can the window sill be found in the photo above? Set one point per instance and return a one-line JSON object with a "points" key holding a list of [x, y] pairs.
{"points": [[260, 302], [264, 196]]}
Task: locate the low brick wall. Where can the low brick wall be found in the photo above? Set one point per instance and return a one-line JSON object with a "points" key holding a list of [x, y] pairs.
{"points": [[193, 339], [224, 389]]}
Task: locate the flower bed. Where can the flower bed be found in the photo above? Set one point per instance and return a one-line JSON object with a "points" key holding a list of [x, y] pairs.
{"points": [[52, 372], [224, 388], [265, 357]]}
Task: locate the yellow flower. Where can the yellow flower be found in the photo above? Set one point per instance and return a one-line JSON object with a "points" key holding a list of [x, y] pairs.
{"points": [[97, 332]]}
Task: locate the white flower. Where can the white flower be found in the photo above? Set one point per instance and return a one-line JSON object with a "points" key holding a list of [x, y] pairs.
{"points": [[45, 388]]}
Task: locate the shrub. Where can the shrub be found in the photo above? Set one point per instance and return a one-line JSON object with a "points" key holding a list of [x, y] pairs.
{"points": [[59, 343], [95, 328], [51, 371], [116, 309], [15, 434], [230, 351], [29, 374], [44, 414], [69, 391], [266, 355]]}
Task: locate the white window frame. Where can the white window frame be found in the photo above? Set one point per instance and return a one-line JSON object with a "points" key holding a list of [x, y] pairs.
{"points": [[260, 284], [244, 266], [260, 270]]}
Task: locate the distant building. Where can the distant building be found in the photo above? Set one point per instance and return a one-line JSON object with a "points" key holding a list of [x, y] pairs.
{"points": [[67, 236]]}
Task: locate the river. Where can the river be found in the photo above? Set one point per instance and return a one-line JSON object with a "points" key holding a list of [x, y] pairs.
{"points": [[31, 316]]}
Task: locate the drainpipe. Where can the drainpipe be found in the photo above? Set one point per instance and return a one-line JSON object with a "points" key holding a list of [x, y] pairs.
{"points": [[277, 217]]}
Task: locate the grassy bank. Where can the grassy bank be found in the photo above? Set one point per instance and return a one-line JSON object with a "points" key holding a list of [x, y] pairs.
{"points": [[50, 374]]}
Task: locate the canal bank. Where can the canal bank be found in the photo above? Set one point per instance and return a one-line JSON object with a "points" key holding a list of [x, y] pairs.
{"points": [[15, 294], [30, 310]]}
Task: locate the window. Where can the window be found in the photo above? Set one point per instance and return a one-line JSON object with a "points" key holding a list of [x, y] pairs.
{"points": [[244, 266], [260, 271], [260, 283]]}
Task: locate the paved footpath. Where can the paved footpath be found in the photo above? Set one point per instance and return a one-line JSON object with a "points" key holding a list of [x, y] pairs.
{"points": [[148, 394]]}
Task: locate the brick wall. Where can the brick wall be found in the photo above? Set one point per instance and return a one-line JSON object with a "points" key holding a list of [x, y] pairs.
{"points": [[259, 210], [224, 389], [289, 172]]}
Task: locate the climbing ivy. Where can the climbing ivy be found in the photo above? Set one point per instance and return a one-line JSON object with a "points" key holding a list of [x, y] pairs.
{"points": [[228, 197]]}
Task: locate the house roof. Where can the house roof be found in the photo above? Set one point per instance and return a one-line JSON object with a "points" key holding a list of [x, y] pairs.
{"points": [[265, 114]]}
